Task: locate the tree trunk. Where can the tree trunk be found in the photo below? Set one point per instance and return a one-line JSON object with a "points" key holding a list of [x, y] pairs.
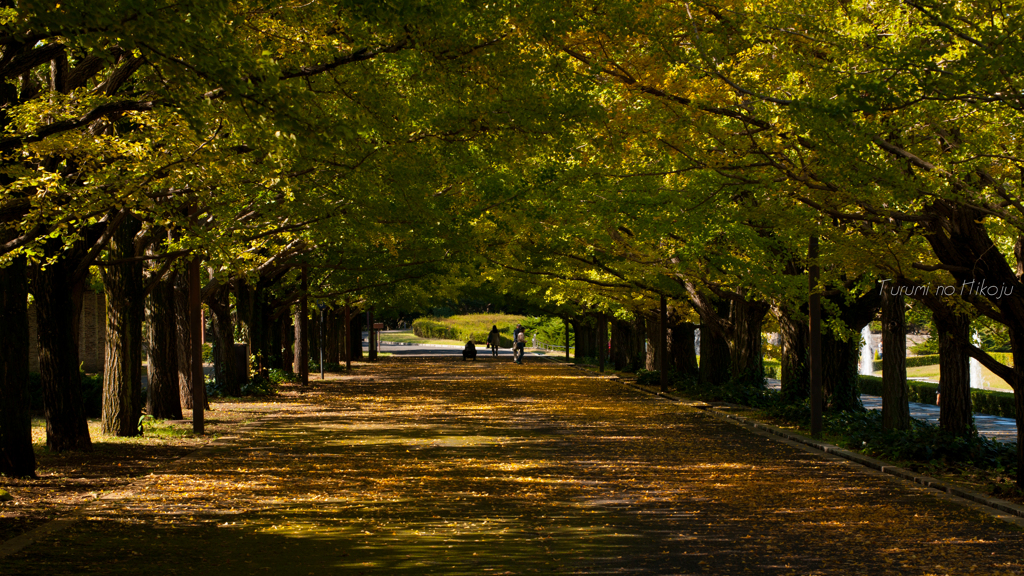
{"points": [[122, 362], [251, 308], [619, 356], [746, 357], [714, 357], [183, 340], [663, 343], [16, 455], [274, 343], [580, 350], [348, 337], [226, 372], [196, 327], [955, 413], [265, 354], [715, 353], [895, 394], [301, 367], [66, 425], [637, 342], [287, 334], [602, 341], [840, 376], [332, 332], [315, 332], [683, 352], [796, 375], [652, 347], [162, 399], [356, 343]]}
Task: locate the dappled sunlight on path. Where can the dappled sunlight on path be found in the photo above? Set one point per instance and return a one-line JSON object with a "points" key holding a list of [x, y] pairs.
{"points": [[439, 466]]}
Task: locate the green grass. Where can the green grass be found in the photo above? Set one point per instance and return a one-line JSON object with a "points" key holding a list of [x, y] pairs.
{"points": [[163, 429], [407, 337], [468, 327], [931, 373]]}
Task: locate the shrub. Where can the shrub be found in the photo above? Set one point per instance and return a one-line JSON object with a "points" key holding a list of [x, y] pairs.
{"points": [[994, 403], [265, 384], [92, 393], [737, 391], [923, 442]]}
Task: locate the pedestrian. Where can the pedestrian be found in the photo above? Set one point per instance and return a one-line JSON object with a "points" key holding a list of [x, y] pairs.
{"points": [[469, 353], [938, 393], [493, 340], [520, 344]]}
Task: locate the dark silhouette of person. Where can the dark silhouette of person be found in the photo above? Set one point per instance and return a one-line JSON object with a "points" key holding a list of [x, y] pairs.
{"points": [[494, 340], [469, 353]]}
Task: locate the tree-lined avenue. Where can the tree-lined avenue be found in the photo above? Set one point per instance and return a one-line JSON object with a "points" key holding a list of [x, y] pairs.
{"points": [[437, 466]]}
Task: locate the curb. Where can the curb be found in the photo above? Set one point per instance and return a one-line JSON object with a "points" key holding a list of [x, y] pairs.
{"points": [[1001, 509]]}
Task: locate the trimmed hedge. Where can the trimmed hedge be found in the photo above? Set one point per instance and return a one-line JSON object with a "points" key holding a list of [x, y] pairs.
{"points": [[912, 361], [932, 359], [982, 401], [994, 403]]}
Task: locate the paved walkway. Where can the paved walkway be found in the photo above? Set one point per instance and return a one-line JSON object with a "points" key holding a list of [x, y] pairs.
{"points": [[995, 427], [437, 466]]}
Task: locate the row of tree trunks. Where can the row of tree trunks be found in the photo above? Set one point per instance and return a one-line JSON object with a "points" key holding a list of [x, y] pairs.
{"points": [[840, 377], [635, 344], [58, 298], [959, 238], [796, 376], [746, 317], [226, 372], [585, 329], [652, 348], [122, 377], [628, 341], [16, 455], [715, 353]]}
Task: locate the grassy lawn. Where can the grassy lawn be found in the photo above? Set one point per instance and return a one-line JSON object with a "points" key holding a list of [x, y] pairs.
{"points": [[931, 373], [407, 337]]}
